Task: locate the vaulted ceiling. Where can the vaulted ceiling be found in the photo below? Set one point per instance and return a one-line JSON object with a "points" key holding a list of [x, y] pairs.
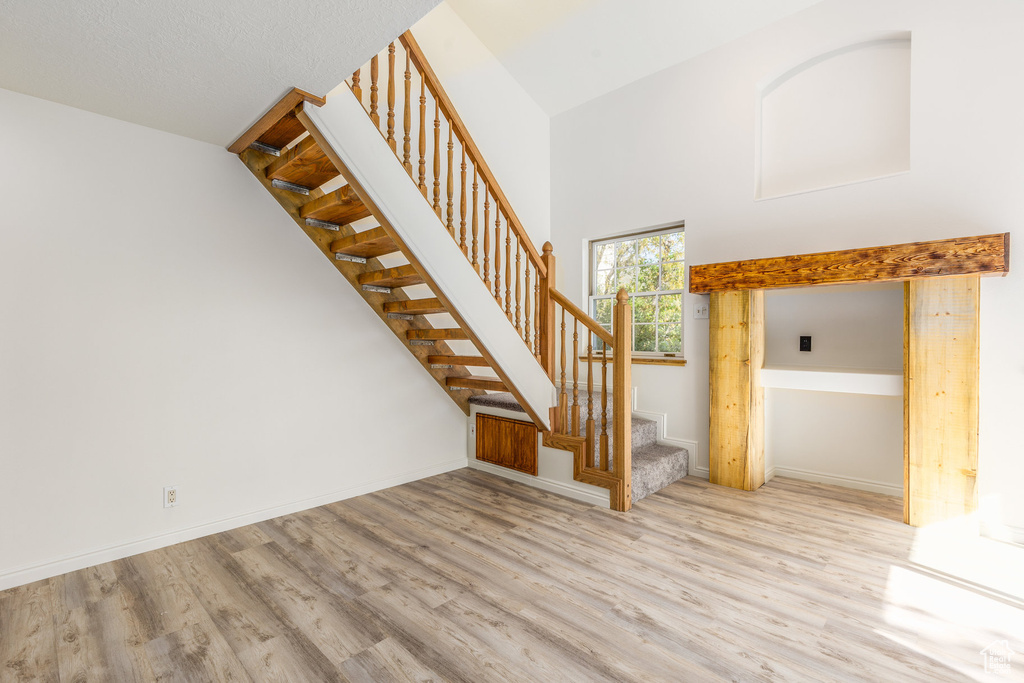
{"points": [[205, 69], [567, 52]]}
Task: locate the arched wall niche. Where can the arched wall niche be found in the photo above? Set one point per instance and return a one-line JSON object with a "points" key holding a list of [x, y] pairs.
{"points": [[841, 116]]}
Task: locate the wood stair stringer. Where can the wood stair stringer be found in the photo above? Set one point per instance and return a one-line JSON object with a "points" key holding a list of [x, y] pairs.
{"points": [[257, 163], [385, 224]]}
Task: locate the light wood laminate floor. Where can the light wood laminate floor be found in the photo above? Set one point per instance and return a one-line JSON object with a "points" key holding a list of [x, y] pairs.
{"points": [[468, 577]]}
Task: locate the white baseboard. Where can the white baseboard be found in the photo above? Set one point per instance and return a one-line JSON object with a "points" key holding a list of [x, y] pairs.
{"points": [[549, 485], [836, 480], [27, 574]]}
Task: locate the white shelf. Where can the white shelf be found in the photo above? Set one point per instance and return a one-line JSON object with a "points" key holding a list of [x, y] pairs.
{"points": [[839, 380]]}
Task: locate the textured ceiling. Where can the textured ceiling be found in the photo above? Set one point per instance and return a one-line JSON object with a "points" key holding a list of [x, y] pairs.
{"points": [[567, 52], [205, 69]]}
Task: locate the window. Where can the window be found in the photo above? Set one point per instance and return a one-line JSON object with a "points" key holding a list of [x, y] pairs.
{"points": [[650, 267]]}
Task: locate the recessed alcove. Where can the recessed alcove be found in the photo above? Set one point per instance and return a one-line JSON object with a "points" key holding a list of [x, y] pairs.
{"points": [[837, 117]]}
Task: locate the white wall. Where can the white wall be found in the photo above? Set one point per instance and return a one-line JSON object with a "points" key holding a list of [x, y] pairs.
{"points": [[163, 321], [511, 130], [680, 145]]}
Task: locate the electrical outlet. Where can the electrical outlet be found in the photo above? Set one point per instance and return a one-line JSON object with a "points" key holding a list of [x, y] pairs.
{"points": [[805, 343], [700, 310], [170, 496]]}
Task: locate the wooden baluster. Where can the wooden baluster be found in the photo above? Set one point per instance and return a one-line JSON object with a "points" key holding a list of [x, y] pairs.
{"points": [[476, 227], [622, 331], [519, 274], [391, 96], [563, 397], [407, 146], [487, 238], [546, 313], [536, 326], [437, 158], [508, 269], [604, 408], [374, 116], [451, 184], [526, 312], [462, 207], [497, 257], [423, 137], [357, 90], [590, 400], [575, 377]]}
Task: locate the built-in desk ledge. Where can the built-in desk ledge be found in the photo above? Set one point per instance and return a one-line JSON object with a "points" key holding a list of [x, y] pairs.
{"points": [[840, 380]]}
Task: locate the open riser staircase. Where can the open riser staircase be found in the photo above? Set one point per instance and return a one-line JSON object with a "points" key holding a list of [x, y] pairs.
{"points": [[387, 182]]}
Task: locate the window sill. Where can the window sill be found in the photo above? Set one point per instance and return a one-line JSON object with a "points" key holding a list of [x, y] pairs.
{"points": [[647, 360]]}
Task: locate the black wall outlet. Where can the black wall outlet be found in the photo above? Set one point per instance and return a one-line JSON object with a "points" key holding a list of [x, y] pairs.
{"points": [[805, 343]]}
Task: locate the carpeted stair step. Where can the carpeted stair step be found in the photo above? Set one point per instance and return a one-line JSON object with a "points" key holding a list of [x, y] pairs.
{"points": [[655, 465]]}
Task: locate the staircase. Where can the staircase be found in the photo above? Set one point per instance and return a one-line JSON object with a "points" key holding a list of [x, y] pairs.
{"points": [[417, 246]]}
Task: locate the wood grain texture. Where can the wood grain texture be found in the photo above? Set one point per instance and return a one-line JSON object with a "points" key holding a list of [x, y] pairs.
{"points": [[737, 398], [437, 333], [367, 244], [941, 399], [415, 306], [343, 206], [622, 403], [399, 276], [278, 123], [985, 254], [472, 578], [474, 382], [304, 164], [508, 443], [470, 361]]}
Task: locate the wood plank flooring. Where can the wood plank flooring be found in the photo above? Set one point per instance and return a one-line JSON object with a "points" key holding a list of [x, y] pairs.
{"points": [[468, 577]]}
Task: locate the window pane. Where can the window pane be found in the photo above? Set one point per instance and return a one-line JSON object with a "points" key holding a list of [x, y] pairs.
{"points": [[643, 309], [648, 279], [596, 341], [673, 276], [604, 256], [643, 338], [669, 339], [650, 250], [670, 308], [625, 253], [672, 247], [603, 311], [626, 277], [605, 283]]}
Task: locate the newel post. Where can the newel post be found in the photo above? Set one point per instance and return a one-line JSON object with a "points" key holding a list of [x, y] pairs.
{"points": [[622, 403]]}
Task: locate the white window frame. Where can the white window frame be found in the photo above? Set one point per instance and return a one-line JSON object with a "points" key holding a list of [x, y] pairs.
{"points": [[592, 297]]}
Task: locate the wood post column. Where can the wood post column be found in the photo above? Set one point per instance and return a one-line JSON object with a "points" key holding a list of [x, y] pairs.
{"points": [[940, 399], [737, 397]]}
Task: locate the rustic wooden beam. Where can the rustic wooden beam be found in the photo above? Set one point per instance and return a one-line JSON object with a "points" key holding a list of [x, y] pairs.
{"points": [[940, 408], [982, 255], [737, 397]]}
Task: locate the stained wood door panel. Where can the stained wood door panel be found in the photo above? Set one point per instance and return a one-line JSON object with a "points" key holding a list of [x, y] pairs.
{"points": [[508, 443]]}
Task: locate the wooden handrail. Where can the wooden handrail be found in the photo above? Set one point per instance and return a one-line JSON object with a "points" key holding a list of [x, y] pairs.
{"points": [[462, 133], [584, 318]]}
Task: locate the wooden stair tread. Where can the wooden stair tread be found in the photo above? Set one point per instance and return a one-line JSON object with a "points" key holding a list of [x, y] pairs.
{"points": [[304, 164], [341, 206], [475, 382], [437, 333], [400, 276], [415, 306], [368, 244], [283, 132], [468, 361]]}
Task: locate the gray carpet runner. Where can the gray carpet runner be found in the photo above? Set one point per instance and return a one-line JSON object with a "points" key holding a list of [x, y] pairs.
{"points": [[655, 465]]}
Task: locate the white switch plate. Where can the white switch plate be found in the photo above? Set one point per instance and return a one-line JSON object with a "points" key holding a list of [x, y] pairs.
{"points": [[700, 310]]}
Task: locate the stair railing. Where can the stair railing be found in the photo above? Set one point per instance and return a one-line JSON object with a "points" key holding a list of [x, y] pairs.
{"points": [[521, 280], [501, 252]]}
